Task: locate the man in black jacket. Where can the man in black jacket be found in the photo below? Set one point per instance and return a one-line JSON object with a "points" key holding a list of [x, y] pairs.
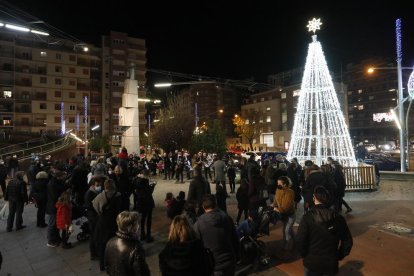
{"points": [[323, 237], [199, 187], [216, 229], [16, 195]]}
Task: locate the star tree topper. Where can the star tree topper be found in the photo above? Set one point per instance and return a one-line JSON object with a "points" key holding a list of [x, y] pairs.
{"points": [[314, 25]]}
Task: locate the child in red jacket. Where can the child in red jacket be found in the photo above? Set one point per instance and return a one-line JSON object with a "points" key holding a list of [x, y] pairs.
{"points": [[64, 218]]}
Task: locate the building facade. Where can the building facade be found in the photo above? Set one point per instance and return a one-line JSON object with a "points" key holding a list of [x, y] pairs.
{"points": [[38, 78], [276, 111], [370, 99]]}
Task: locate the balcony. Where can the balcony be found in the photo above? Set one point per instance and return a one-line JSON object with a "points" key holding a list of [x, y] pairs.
{"points": [[83, 87], [39, 71], [137, 47], [7, 54], [23, 109], [23, 56], [23, 83]]}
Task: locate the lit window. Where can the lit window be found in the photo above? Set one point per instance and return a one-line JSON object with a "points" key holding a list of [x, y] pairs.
{"points": [[268, 108], [296, 93], [247, 122], [359, 91], [43, 54], [7, 94], [283, 95], [268, 119], [261, 121], [360, 107], [371, 97]]}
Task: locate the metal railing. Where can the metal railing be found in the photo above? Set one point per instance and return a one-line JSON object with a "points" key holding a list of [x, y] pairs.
{"points": [[26, 153], [360, 178]]}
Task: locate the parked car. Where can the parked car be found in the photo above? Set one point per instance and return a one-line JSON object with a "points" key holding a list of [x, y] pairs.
{"points": [[387, 146], [383, 162], [370, 147], [271, 156]]}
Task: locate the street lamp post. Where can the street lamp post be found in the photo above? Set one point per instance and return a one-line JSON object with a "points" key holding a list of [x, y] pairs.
{"points": [[402, 121]]}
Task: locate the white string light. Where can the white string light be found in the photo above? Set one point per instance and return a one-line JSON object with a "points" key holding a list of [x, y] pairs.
{"points": [[319, 129]]}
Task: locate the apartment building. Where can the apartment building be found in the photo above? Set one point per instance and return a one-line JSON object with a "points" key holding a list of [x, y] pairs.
{"points": [[274, 110], [44, 82], [370, 99], [121, 55]]}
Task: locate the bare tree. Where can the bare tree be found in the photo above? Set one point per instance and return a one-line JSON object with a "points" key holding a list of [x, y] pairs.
{"points": [[175, 128]]}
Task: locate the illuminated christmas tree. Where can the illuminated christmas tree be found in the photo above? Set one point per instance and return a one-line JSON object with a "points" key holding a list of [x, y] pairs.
{"points": [[319, 130]]}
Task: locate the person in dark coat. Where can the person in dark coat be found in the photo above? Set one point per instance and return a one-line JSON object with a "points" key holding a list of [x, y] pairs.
{"points": [[16, 195], [79, 182], [124, 254], [107, 205], [314, 178], [39, 196], [3, 176], [294, 177], [340, 186], [323, 237], [231, 174], [256, 181], [198, 188], [242, 197], [55, 187], [216, 229], [95, 187], [144, 203], [123, 186], [184, 254], [13, 166]]}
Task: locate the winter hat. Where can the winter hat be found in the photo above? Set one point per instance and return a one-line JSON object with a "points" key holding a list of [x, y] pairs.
{"points": [[42, 175]]}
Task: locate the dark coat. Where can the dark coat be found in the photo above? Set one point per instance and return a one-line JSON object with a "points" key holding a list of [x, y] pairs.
{"points": [[216, 230], [16, 191], [314, 179], [124, 256], [198, 188], [106, 224], [324, 239], [242, 198], [143, 195], [39, 190], [55, 188], [183, 259]]}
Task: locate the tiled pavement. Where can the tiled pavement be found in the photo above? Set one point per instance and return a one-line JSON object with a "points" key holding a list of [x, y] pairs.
{"points": [[25, 252]]}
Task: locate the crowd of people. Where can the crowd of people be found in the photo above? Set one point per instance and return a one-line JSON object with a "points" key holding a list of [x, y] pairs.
{"points": [[114, 193]]}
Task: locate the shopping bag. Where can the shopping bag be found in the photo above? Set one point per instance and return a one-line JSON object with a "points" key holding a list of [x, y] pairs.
{"points": [[4, 212]]}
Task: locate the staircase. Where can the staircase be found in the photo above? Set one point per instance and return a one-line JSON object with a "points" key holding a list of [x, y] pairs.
{"points": [[25, 151]]}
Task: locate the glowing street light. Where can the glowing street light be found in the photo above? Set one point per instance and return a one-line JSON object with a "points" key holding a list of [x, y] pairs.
{"points": [[169, 84]]}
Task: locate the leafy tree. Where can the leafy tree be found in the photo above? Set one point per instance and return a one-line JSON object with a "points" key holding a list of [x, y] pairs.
{"points": [[249, 126], [175, 128], [100, 143], [212, 139]]}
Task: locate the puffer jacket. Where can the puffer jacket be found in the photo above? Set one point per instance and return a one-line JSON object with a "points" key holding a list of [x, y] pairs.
{"points": [[63, 215], [16, 190], [125, 256]]}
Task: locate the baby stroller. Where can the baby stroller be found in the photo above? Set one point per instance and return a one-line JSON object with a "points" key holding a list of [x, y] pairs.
{"points": [[79, 214], [253, 250]]}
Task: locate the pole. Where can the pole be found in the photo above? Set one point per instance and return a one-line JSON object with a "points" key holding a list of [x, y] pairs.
{"points": [[400, 95], [196, 115], [86, 126]]}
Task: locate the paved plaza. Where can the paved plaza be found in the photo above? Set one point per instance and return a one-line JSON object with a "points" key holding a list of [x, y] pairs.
{"points": [[381, 224]]}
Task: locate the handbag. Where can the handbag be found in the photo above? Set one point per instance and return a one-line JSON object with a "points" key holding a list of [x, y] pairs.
{"points": [[4, 212]]}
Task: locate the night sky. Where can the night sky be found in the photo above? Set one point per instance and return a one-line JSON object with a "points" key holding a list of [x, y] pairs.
{"points": [[236, 40]]}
